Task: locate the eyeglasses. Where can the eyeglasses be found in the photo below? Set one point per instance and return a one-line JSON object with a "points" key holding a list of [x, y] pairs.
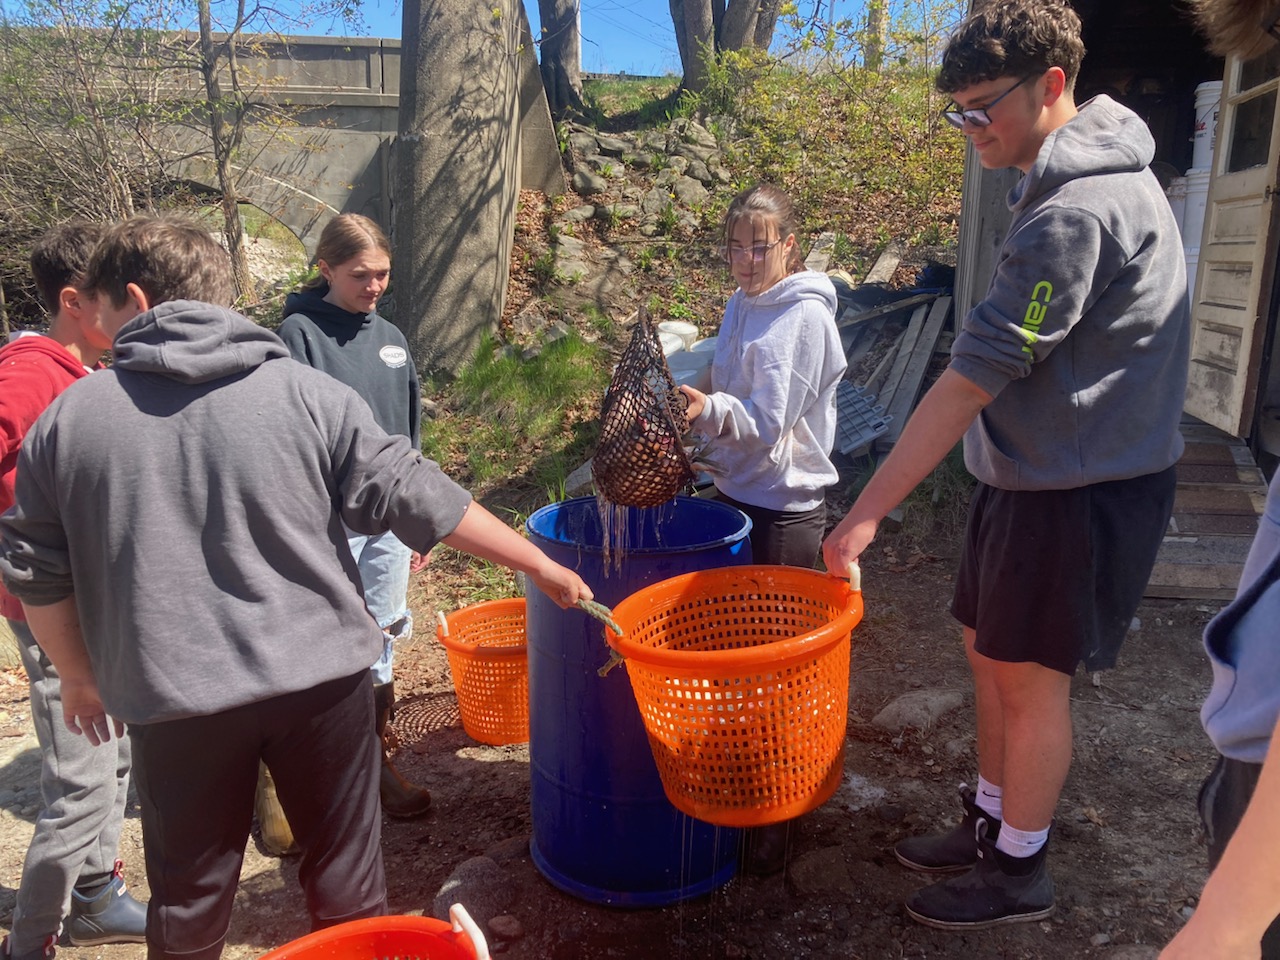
{"points": [[755, 252], [979, 117]]}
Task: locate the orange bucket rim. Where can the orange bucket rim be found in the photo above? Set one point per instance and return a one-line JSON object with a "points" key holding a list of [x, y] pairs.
{"points": [[488, 607], [502, 607], [460, 932], [486, 648], [803, 646]]}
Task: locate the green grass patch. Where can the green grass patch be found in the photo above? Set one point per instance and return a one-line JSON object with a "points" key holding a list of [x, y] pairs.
{"points": [[483, 581], [862, 152], [622, 104], [507, 419]]}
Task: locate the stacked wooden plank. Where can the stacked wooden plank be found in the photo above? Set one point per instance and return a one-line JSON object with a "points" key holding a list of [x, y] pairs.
{"points": [[1221, 494], [905, 353]]}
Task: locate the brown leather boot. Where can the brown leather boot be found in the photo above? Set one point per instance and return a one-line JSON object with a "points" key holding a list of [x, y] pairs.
{"points": [[277, 835], [400, 798]]}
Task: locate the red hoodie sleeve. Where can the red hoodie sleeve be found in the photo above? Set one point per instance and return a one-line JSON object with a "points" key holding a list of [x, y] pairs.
{"points": [[29, 382], [26, 389]]}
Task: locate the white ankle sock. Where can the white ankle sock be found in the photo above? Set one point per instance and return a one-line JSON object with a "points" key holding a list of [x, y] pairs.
{"points": [[1021, 843], [989, 797]]}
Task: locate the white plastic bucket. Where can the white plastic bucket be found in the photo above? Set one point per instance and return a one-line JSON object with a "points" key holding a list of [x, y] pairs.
{"points": [[1193, 215], [706, 343], [689, 360], [1208, 96], [1193, 262], [671, 343], [683, 329], [697, 377], [692, 367], [1177, 194]]}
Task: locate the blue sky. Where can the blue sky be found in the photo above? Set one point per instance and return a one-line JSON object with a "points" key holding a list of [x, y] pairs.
{"points": [[634, 36]]}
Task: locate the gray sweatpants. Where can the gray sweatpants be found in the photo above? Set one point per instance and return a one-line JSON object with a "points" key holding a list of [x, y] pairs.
{"points": [[83, 789]]}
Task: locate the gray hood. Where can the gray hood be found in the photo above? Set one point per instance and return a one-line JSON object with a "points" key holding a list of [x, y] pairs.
{"points": [[1103, 138], [1083, 335], [793, 288], [194, 342]]}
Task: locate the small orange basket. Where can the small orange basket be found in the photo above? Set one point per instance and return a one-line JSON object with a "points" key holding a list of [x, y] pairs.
{"points": [[384, 938], [742, 679], [489, 661]]}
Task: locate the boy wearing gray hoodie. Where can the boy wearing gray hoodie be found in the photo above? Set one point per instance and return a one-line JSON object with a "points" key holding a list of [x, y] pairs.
{"points": [[177, 541], [1066, 384]]}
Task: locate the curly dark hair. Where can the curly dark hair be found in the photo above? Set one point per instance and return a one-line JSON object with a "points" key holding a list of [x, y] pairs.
{"points": [[169, 258], [1012, 38], [60, 256], [1236, 26]]}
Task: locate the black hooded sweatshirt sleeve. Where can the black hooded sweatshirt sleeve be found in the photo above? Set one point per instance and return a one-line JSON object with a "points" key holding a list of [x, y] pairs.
{"points": [[366, 352]]}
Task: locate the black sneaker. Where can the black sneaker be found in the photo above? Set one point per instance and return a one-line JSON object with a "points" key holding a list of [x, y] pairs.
{"points": [[765, 849], [954, 850], [45, 951], [998, 889]]}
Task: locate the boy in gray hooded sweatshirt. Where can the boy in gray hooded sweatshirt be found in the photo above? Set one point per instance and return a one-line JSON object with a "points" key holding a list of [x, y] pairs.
{"points": [[1066, 383], [177, 541]]}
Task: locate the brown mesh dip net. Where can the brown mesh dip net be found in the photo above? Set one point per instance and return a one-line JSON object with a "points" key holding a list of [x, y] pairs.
{"points": [[640, 461]]}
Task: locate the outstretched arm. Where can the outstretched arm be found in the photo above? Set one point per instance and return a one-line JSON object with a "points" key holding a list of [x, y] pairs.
{"points": [[1242, 896], [484, 535], [56, 628], [937, 425]]}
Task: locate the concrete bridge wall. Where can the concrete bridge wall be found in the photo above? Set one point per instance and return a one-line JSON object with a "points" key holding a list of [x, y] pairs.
{"points": [[339, 158]]}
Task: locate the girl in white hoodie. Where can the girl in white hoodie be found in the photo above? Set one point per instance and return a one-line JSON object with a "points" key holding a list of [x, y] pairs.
{"points": [[768, 425]]}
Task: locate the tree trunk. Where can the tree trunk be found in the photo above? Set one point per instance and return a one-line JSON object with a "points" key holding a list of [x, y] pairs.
{"points": [[457, 174], [876, 35], [699, 40], [710, 27], [739, 27], [682, 39], [225, 136], [560, 55], [766, 21]]}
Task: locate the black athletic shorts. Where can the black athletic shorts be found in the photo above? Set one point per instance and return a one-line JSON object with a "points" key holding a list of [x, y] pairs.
{"points": [[1054, 576]]}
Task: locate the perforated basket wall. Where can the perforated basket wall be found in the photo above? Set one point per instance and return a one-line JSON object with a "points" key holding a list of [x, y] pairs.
{"points": [[742, 679], [489, 661], [640, 461], [383, 938]]}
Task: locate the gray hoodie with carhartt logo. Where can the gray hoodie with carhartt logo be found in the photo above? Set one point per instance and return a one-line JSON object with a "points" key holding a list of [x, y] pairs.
{"points": [[190, 498], [1084, 335]]}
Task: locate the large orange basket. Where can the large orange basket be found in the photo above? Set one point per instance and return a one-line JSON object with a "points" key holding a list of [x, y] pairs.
{"points": [[384, 938], [742, 679], [489, 661]]}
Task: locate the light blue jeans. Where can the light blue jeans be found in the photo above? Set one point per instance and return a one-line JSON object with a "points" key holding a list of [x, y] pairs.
{"points": [[384, 571]]}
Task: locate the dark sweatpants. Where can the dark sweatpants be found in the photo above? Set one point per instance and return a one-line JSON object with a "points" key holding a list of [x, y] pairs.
{"points": [[1223, 798], [196, 780], [781, 537]]}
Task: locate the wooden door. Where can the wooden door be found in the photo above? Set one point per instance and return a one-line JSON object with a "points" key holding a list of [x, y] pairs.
{"points": [[1237, 249]]}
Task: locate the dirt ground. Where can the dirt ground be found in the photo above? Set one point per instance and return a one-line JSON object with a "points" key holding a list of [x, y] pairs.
{"points": [[1127, 858]]}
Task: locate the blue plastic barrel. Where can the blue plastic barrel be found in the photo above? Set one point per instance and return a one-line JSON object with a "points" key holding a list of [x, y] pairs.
{"points": [[603, 830]]}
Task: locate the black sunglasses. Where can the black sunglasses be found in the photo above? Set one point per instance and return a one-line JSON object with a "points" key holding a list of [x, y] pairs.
{"points": [[979, 117]]}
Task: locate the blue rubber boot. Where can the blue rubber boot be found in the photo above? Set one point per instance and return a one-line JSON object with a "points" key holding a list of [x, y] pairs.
{"points": [[112, 916]]}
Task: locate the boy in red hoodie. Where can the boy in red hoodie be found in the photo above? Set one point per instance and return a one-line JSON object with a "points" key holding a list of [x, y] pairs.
{"points": [[71, 870]]}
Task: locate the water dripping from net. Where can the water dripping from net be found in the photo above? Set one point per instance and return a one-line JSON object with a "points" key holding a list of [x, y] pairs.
{"points": [[623, 529]]}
